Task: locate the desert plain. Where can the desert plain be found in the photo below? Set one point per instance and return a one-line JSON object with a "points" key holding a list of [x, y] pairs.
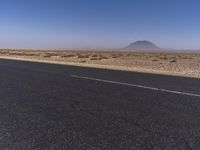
{"points": [[163, 62]]}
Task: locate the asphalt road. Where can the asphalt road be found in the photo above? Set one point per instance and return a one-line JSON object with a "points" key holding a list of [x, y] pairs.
{"points": [[55, 107]]}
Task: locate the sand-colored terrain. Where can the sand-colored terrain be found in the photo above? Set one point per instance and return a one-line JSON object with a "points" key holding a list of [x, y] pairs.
{"points": [[173, 63]]}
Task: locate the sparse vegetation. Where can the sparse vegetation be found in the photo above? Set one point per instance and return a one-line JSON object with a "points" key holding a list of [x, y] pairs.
{"points": [[163, 57], [95, 55], [70, 55], [155, 60], [181, 63], [103, 57], [95, 58], [116, 55], [83, 56], [173, 61]]}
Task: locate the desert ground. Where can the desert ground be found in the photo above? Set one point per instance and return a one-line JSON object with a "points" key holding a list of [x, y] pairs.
{"points": [[171, 63]]}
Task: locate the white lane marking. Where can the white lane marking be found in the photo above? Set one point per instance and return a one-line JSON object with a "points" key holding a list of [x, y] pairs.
{"points": [[182, 93], [135, 85], [114, 82]]}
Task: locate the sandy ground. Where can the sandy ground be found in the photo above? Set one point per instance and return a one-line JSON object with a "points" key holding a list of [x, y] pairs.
{"points": [[173, 63]]}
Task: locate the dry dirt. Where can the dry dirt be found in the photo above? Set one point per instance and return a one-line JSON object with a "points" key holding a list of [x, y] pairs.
{"points": [[171, 63]]}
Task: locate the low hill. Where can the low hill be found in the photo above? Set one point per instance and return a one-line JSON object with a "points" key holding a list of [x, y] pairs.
{"points": [[142, 45]]}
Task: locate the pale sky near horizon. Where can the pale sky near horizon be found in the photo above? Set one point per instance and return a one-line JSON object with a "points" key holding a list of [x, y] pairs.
{"points": [[99, 23]]}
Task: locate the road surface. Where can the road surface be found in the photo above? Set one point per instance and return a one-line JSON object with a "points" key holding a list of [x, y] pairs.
{"points": [[57, 107]]}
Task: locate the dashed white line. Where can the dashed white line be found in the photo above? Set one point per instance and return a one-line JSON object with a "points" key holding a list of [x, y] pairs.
{"points": [[135, 85]]}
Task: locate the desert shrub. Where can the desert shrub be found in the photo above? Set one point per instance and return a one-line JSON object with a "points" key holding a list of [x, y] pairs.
{"points": [[3, 52], [95, 55], [95, 58], [155, 60], [173, 61], [116, 55], [83, 61], [69, 55], [83, 56], [102, 57], [158, 56], [49, 54], [30, 54], [163, 58]]}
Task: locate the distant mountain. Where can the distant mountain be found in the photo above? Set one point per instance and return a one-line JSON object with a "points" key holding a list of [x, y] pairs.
{"points": [[142, 45]]}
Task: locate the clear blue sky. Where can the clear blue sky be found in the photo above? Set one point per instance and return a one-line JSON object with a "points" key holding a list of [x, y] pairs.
{"points": [[99, 23]]}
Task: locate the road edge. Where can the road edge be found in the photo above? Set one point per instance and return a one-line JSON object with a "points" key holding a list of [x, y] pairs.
{"points": [[107, 67]]}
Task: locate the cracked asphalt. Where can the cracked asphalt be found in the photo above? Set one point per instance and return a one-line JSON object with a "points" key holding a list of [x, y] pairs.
{"points": [[43, 108]]}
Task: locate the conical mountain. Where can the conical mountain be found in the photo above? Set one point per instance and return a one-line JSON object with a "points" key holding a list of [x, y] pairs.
{"points": [[142, 45]]}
